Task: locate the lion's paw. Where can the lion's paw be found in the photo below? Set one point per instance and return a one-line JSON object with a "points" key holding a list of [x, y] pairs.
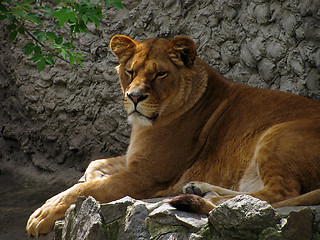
{"points": [[192, 188], [199, 188], [42, 220]]}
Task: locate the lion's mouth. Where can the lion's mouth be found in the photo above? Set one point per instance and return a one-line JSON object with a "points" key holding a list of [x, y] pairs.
{"points": [[139, 114]]}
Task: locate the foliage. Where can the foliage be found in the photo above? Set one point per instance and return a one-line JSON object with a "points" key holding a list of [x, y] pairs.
{"points": [[48, 44]]}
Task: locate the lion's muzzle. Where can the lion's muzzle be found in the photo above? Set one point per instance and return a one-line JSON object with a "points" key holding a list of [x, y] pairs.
{"points": [[136, 97]]}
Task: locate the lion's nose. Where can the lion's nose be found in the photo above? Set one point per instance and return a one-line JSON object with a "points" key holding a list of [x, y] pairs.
{"points": [[136, 97]]}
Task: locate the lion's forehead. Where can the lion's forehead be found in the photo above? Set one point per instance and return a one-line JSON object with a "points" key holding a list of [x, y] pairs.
{"points": [[150, 66], [150, 55]]}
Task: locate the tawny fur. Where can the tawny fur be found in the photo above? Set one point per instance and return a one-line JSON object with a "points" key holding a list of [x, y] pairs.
{"points": [[194, 125]]}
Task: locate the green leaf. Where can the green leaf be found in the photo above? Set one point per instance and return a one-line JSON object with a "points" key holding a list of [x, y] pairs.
{"points": [[40, 65], [107, 3], [83, 27], [62, 16], [95, 20], [36, 57], [72, 17], [79, 61], [37, 50], [92, 11], [28, 48], [55, 46], [42, 37], [68, 45], [12, 26], [51, 35], [71, 59], [38, 32], [28, 1], [21, 30], [84, 18], [118, 4], [3, 17], [12, 36], [11, 18], [49, 60], [68, 52], [3, 8], [33, 17], [59, 40], [79, 54], [63, 53], [47, 8]]}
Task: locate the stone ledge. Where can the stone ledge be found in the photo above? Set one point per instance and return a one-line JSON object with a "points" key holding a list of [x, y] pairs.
{"points": [[242, 217]]}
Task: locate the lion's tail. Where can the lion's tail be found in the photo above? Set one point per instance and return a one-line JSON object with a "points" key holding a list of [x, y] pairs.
{"points": [[307, 199], [192, 203]]}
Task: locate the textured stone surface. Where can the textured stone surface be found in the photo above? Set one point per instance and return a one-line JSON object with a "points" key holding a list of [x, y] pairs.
{"points": [[54, 123], [83, 221], [242, 217], [130, 219], [134, 223], [299, 225]]}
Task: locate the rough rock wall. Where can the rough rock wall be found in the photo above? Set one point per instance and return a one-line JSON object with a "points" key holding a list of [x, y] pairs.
{"points": [[62, 118]]}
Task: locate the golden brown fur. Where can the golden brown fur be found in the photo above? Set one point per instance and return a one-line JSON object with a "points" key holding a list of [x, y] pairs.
{"points": [[191, 124]]}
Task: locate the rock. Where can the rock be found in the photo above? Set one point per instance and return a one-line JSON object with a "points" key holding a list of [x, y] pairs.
{"points": [[115, 210], [243, 217], [313, 80], [134, 224], [130, 219], [298, 225], [83, 221], [267, 70], [166, 219]]}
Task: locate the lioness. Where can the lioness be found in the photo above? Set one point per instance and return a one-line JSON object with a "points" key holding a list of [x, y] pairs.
{"points": [[191, 124]]}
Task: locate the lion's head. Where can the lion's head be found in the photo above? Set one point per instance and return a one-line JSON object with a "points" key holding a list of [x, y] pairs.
{"points": [[156, 76]]}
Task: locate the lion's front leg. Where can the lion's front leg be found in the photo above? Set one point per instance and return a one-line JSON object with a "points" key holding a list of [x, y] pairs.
{"points": [[124, 183], [103, 168], [42, 220]]}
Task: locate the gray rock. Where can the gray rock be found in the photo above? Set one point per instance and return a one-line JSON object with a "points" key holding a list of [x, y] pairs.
{"points": [[165, 214], [267, 70], [313, 80], [243, 217], [115, 210], [83, 221], [298, 225], [134, 227]]}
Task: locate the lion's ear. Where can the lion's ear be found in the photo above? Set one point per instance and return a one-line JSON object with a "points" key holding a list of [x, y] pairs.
{"points": [[122, 45], [182, 51]]}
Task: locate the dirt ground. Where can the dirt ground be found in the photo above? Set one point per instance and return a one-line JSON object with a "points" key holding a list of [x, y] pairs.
{"points": [[19, 197]]}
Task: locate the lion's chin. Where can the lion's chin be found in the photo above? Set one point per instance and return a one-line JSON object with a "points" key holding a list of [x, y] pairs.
{"points": [[137, 119]]}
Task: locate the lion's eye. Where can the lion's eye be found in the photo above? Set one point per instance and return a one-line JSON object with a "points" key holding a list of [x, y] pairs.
{"points": [[161, 74], [129, 73]]}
